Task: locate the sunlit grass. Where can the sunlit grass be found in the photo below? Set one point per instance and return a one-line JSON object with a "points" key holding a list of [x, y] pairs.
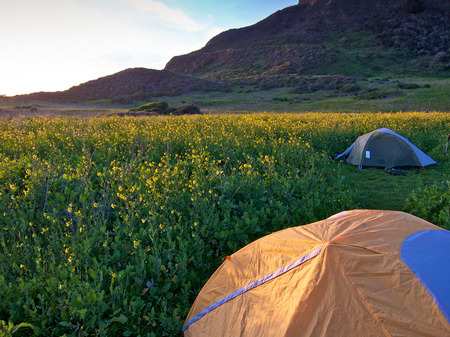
{"points": [[112, 225]]}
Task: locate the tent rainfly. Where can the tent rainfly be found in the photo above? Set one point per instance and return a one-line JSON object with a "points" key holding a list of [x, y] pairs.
{"points": [[357, 273], [385, 148]]}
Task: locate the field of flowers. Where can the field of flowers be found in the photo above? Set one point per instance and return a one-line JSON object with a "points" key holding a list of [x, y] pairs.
{"points": [[110, 226]]}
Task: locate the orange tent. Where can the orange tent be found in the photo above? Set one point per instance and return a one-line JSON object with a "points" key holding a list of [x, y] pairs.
{"points": [[357, 273]]}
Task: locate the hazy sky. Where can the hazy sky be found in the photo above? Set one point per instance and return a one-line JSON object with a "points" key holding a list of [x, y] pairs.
{"points": [[51, 45]]}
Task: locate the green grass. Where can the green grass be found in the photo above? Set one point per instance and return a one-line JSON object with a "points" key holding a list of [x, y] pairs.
{"points": [[434, 98], [281, 99], [110, 226], [377, 189]]}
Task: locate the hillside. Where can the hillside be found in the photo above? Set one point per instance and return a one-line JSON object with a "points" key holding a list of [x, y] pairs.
{"points": [[353, 37], [130, 85], [303, 47]]}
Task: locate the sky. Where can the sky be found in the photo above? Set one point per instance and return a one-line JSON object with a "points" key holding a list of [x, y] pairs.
{"points": [[52, 45]]}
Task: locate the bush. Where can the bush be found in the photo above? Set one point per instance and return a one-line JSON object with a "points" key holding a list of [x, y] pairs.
{"points": [[153, 107], [408, 86], [187, 109], [162, 108], [431, 203]]}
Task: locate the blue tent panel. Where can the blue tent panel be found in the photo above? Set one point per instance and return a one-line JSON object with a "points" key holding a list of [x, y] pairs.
{"points": [[427, 253]]}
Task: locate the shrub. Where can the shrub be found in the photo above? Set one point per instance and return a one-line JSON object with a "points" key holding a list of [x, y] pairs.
{"points": [[431, 203], [281, 99], [153, 107], [402, 85], [188, 109]]}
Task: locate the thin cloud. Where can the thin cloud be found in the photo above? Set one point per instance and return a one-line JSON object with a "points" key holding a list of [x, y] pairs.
{"points": [[158, 11], [58, 44]]}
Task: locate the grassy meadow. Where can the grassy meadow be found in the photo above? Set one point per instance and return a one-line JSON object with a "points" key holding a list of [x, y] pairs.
{"points": [[111, 226], [377, 94]]}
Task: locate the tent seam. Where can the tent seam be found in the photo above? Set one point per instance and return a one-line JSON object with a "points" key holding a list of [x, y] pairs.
{"points": [[363, 299], [254, 284]]}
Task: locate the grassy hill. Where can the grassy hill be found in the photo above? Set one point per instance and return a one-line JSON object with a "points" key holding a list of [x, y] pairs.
{"points": [[355, 38], [128, 86]]}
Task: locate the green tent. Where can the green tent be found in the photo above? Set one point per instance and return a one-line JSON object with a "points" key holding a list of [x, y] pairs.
{"points": [[385, 148]]}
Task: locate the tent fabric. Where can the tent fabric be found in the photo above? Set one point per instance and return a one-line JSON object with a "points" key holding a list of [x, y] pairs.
{"points": [[385, 148], [343, 276], [417, 252], [254, 284]]}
